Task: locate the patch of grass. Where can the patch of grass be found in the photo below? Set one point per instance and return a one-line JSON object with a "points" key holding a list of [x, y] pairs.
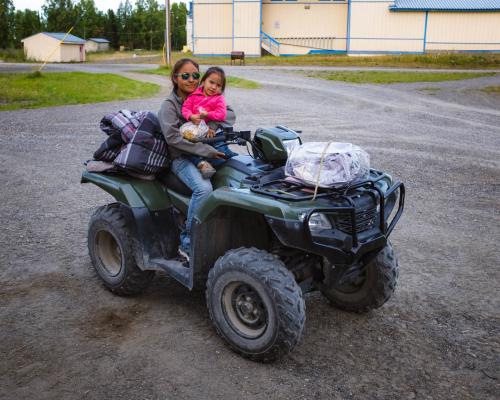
{"points": [[394, 76], [241, 83], [54, 89], [434, 60], [491, 90], [12, 55], [231, 81]]}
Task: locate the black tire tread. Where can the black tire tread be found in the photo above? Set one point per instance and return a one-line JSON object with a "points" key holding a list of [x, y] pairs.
{"points": [[387, 270], [136, 280], [285, 292]]}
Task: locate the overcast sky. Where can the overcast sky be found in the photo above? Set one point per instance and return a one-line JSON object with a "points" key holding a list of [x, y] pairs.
{"points": [[102, 5]]}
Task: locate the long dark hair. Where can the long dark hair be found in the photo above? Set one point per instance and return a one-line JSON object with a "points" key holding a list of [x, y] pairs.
{"points": [[215, 70], [177, 67]]}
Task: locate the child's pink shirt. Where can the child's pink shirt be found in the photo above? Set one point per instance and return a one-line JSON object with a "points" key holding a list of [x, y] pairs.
{"points": [[215, 106]]}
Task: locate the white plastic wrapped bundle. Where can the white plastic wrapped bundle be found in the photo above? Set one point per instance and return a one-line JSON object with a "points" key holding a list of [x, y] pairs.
{"points": [[326, 165], [193, 132]]}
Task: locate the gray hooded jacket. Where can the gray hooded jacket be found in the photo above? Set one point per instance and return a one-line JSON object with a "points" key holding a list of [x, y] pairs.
{"points": [[171, 119]]}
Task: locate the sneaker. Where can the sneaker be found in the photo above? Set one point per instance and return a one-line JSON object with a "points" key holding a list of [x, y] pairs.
{"points": [[206, 169], [183, 255]]}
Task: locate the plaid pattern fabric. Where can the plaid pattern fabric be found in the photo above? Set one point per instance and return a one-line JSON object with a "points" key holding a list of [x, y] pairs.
{"points": [[147, 150], [135, 142]]}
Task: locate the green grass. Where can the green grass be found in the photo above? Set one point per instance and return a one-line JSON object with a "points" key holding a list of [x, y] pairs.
{"points": [[12, 55], [235, 82], [434, 60], [231, 81], [491, 90], [393, 77], [54, 89]]}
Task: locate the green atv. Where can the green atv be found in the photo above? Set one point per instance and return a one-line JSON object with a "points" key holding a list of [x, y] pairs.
{"points": [[258, 243]]}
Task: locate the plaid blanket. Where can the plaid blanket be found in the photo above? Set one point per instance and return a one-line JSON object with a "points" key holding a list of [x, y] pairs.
{"points": [[135, 142]]}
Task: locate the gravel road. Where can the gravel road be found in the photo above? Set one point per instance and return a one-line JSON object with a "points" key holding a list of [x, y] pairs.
{"points": [[64, 336]]}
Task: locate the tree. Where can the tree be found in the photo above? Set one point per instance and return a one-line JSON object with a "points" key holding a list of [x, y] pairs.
{"points": [[92, 20], [60, 15], [111, 29], [6, 23], [179, 14], [27, 23]]}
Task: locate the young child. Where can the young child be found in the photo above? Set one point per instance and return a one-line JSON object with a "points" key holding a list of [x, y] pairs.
{"points": [[208, 104]]}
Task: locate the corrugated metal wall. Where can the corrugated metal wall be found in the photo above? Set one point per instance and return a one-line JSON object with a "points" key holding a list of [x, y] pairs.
{"points": [[306, 26], [214, 32], [373, 28], [355, 26], [246, 29], [463, 31]]}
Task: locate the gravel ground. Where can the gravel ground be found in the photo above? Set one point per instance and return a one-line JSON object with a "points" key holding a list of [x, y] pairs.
{"points": [[64, 336]]}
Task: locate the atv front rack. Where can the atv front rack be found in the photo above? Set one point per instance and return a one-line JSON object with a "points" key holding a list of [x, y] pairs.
{"points": [[291, 191]]}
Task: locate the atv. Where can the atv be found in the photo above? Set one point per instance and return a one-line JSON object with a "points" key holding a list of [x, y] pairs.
{"points": [[258, 243]]}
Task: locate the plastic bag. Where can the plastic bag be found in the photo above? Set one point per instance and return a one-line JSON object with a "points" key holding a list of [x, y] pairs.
{"points": [[342, 163], [193, 132]]}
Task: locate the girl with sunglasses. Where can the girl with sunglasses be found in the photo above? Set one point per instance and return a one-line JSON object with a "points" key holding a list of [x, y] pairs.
{"points": [[185, 79]]}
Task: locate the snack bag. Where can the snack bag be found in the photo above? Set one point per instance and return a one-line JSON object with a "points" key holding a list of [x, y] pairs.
{"points": [[193, 132]]}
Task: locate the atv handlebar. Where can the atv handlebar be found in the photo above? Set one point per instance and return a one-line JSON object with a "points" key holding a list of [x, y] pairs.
{"points": [[229, 135]]}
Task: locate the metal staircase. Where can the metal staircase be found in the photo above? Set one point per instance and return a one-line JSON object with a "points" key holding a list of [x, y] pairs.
{"points": [[269, 44]]}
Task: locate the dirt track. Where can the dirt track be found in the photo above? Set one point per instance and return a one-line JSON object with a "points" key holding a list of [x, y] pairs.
{"points": [[64, 336]]}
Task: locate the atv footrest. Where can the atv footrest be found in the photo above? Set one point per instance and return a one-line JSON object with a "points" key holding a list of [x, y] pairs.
{"points": [[175, 268]]}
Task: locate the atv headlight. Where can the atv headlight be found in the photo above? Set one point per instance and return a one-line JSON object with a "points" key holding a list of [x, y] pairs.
{"points": [[290, 144], [319, 222]]}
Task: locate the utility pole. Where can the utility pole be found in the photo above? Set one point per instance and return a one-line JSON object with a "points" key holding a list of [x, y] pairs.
{"points": [[168, 57]]}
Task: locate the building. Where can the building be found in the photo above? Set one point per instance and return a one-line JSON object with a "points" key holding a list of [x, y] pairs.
{"points": [[96, 44], [49, 46], [293, 27]]}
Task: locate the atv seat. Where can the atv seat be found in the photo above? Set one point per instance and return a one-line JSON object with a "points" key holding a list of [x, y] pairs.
{"points": [[171, 181]]}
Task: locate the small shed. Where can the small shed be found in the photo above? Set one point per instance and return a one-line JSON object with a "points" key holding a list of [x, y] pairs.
{"points": [[50, 46], [96, 44]]}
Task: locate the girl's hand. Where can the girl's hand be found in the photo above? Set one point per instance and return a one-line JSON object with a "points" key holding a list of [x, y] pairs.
{"points": [[195, 119], [210, 133], [220, 156], [203, 114]]}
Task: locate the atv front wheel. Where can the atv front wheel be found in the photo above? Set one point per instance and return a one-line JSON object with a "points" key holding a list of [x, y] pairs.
{"points": [[371, 289], [255, 304], [112, 253]]}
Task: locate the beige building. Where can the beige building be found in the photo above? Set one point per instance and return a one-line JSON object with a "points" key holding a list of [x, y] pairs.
{"points": [[96, 44], [293, 27], [49, 46]]}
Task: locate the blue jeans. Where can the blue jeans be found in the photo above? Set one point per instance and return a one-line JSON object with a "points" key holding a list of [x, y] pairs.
{"points": [[189, 174], [219, 146]]}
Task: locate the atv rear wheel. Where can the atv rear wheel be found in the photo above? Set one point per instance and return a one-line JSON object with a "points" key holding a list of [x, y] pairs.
{"points": [[372, 288], [111, 250], [255, 304]]}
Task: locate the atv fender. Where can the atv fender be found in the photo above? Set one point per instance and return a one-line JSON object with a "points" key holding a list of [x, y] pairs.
{"points": [[130, 191], [241, 198]]}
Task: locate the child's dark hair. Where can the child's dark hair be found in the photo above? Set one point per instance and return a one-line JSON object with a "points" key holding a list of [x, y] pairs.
{"points": [[177, 67], [218, 71]]}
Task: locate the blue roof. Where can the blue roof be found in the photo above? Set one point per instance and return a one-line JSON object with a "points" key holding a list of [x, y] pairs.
{"points": [[99, 40], [446, 5], [70, 39]]}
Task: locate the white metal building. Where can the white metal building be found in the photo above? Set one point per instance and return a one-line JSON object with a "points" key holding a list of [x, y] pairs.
{"points": [[49, 46], [96, 44], [292, 27]]}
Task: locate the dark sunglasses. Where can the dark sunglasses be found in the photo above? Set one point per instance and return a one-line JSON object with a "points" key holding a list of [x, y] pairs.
{"points": [[185, 76]]}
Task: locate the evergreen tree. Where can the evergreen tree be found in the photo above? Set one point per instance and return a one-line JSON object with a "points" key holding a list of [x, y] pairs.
{"points": [[27, 23], [60, 15], [6, 23], [111, 29]]}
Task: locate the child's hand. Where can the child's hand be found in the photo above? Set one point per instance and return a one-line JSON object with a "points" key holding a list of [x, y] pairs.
{"points": [[210, 133], [195, 119], [203, 114]]}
